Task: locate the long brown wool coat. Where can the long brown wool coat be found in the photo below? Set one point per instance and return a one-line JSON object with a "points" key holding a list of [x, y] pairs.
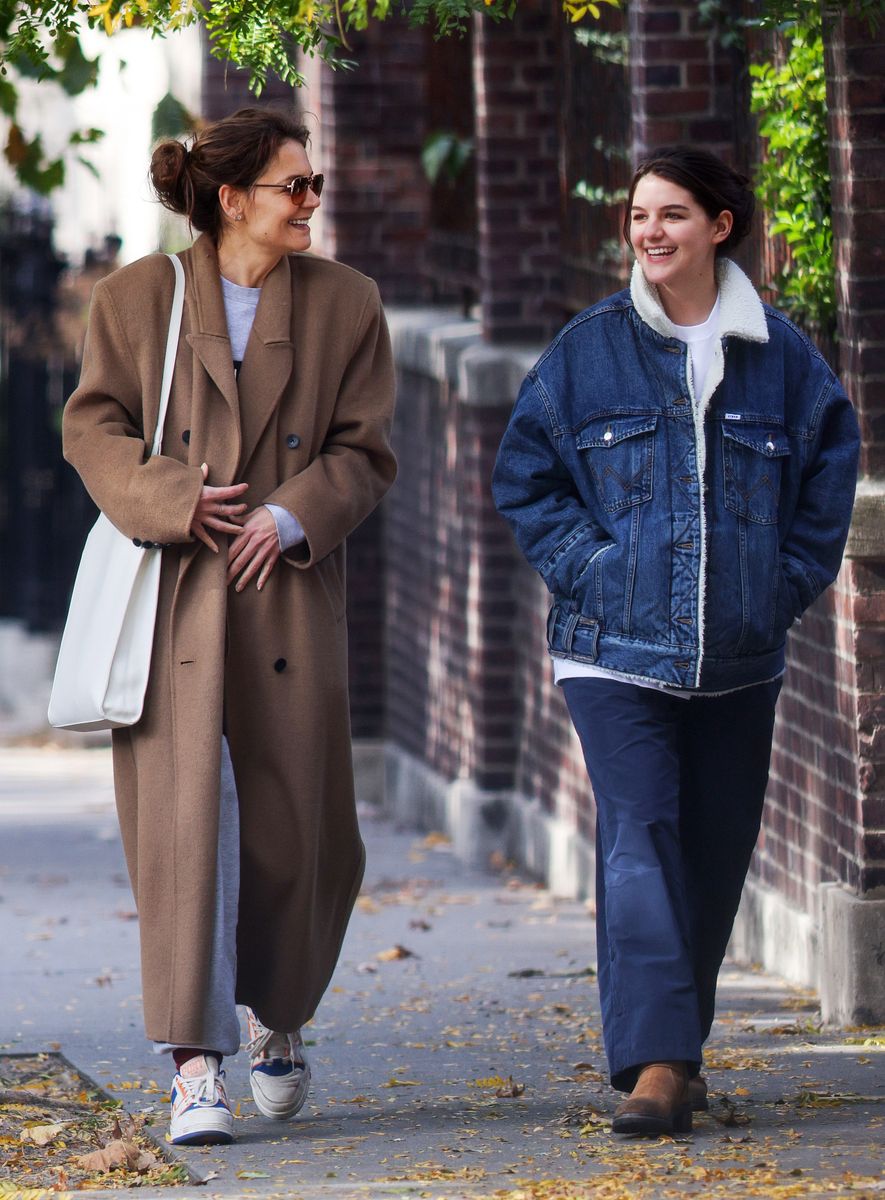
{"points": [[306, 426]]}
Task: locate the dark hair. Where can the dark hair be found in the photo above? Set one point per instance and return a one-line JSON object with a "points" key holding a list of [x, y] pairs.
{"points": [[234, 150], [713, 184]]}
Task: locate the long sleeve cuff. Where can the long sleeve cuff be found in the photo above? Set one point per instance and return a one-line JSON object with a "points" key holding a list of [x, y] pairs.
{"points": [[289, 529]]}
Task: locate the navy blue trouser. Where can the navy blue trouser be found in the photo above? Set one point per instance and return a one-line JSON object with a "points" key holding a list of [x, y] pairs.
{"points": [[679, 786]]}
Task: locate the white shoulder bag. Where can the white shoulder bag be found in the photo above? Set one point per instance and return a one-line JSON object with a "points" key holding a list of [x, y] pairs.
{"points": [[105, 655]]}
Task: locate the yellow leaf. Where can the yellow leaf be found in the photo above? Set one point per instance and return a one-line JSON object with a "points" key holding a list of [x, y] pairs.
{"points": [[41, 1135], [393, 1082]]}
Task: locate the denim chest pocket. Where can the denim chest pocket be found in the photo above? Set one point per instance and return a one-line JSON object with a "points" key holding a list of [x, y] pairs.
{"points": [[752, 461], [620, 452]]}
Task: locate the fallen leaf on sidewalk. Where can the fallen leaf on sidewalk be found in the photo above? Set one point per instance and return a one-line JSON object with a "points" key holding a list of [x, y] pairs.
{"points": [[727, 1113], [509, 1089], [116, 1155], [435, 840], [253, 1174], [393, 1082], [394, 953], [41, 1134]]}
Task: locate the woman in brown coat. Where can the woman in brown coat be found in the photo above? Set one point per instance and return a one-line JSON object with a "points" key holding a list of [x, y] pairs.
{"points": [[235, 789]]}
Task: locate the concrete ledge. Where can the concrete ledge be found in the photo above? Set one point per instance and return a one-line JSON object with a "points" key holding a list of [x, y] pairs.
{"points": [[852, 983], [368, 771], [482, 823], [441, 345], [866, 538], [431, 340], [27, 663], [775, 934]]}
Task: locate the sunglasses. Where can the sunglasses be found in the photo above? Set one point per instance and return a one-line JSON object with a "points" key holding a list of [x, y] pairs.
{"points": [[297, 187]]}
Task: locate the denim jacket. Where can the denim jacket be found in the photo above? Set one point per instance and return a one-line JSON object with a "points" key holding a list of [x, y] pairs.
{"points": [[680, 535]]}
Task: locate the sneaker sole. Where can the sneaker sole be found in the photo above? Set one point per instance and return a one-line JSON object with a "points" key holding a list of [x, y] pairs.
{"points": [[278, 1112], [203, 1129], [203, 1137]]}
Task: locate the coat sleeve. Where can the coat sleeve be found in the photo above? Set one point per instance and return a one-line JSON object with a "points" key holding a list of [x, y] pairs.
{"points": [[536, 493], [355, 465], [812, 548], [153, 498]]}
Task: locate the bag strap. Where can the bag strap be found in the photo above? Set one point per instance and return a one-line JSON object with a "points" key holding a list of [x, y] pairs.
{"points": [[171, 350]]}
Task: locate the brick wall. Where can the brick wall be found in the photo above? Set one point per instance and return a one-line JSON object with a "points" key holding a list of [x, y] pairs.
{"points": [[373, 125], [810, 829], [518, 186], [856, 96], [683, 80], [450, 609]]}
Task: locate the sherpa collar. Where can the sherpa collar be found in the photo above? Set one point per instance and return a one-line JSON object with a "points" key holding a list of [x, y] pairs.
{"points": [[740, 310]]}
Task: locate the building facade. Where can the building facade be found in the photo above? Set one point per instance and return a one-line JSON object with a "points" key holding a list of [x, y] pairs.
{"points": [[461, 726]]}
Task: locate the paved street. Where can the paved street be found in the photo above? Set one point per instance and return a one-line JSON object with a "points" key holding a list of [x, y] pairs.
{"points": [[458, 1050]]}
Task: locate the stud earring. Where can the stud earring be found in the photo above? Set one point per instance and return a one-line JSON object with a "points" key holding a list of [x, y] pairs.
{"points": [[238, 217]]}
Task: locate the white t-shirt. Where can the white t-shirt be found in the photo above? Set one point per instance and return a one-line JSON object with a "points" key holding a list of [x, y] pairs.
{"points": [[701, 341]]}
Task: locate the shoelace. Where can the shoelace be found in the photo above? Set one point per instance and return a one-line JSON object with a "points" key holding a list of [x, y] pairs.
{"points": [[268, 1043], [202, 1089]]}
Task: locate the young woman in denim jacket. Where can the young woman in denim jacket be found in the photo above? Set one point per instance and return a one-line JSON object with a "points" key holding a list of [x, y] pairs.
{"points": [[680, 468]]}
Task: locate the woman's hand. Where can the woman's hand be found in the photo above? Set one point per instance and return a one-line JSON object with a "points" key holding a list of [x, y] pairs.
{"points": [[255, 549], [217, 510]]}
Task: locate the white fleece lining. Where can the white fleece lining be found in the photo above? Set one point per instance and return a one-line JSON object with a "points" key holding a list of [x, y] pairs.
{"points": [[740, 315]]}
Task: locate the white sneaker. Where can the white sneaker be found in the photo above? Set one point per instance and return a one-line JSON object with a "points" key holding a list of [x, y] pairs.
{"points": [[201, 1115], [279, 1071]]}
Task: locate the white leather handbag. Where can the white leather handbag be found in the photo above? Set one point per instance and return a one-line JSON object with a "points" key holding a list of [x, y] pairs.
{"points": [[105, 656]]}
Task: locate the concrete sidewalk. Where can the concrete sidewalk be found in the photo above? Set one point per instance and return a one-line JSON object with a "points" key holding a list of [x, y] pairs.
{"points": [[453, 986]]}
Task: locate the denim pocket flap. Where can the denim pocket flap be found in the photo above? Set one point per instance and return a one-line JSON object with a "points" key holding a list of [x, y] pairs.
{"points": [[773, 443], [609, 431]]}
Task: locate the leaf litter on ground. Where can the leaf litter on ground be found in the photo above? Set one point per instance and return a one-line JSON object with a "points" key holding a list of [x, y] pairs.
{"points": [[61, 1132]]}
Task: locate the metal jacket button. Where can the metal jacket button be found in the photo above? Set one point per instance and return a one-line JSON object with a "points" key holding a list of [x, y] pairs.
{"points": [[293, 441], [769, 446], [607, 436]]}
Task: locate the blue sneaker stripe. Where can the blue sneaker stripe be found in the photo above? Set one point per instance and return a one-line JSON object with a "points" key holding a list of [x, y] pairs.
{"points": [[275, 1066]]}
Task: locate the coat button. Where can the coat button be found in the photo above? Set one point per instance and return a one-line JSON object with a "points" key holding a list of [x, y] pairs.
{"points": [[279, 665], [186, 437], [293, 441]]}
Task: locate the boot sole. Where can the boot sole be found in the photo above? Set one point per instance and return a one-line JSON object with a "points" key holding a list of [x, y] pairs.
{"points": [[643, 1124]]}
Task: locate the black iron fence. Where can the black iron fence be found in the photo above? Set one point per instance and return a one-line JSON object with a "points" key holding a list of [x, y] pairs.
{"points": [[44, 510]]}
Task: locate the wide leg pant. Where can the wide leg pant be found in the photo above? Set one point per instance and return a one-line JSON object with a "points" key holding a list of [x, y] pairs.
{"points": [[679, 786]]}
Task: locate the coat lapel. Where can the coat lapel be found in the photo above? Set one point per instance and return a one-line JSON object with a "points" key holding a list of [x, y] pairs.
{"points": [[208, 337], [267, 365]]}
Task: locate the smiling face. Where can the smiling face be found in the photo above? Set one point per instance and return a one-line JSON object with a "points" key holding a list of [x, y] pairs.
{"points": [[673, 238], [263, 223]]}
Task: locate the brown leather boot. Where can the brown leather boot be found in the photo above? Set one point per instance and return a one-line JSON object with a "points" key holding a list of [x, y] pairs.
{"points": [[697, 1094], [658, 1104]]}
